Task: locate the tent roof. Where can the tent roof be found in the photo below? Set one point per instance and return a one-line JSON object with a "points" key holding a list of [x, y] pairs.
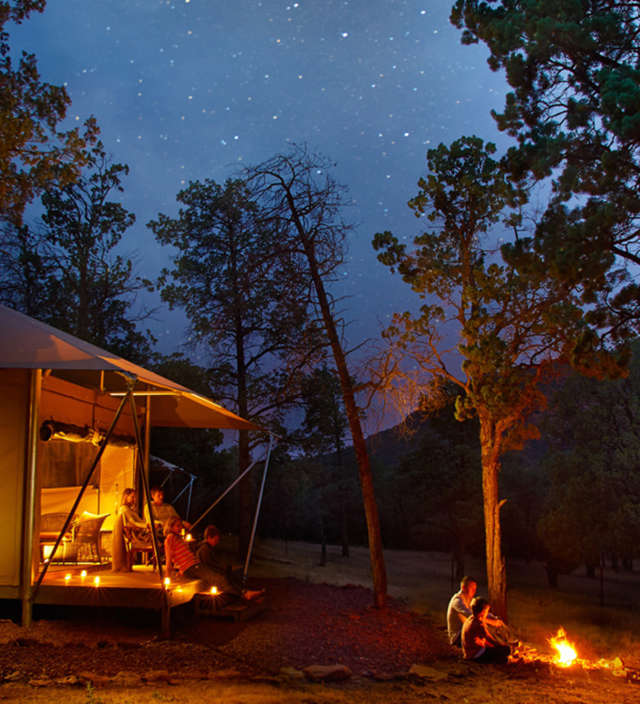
{"points": [[27, 343]]}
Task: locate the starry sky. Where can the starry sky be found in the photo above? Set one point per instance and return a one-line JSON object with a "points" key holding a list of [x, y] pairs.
{"points": [[193, 89]]}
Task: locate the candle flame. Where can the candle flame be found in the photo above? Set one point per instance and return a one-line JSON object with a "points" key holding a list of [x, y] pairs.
{"points": [[214, 590], [67, 578], [96, 581]]}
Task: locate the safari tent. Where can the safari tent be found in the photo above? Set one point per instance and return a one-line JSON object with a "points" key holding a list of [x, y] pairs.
{"points": [[74, 431]]}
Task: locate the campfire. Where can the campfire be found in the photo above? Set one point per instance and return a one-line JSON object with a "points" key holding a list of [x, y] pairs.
{"points": [[564, 654]]}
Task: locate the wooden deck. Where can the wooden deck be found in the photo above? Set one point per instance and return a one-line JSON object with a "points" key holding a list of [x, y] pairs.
{"points": [[140, 589]]}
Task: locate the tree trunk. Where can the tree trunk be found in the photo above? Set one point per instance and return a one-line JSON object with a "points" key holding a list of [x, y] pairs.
{"points": [[496, 572], [378, 570]]}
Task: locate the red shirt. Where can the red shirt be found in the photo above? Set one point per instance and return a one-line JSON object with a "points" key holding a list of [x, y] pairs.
{"points": [[178, 550]]}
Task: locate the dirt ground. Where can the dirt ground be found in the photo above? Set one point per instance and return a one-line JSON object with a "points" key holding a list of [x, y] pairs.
{"points": [[323, 616]]}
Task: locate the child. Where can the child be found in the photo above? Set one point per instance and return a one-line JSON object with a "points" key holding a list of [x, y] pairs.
{"points": [[477, 644], [179, 556]]}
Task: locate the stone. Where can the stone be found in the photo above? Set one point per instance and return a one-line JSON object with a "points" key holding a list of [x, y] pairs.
{"points": [[224, 675], [40, 682], [13, 676], [68, 680], [327, 673], [156, 676], [126, 678], [424, 672], [95, 679], [290, 673]]}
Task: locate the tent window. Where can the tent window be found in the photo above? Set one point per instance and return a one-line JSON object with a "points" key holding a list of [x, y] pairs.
{"points": [[65, 463]]}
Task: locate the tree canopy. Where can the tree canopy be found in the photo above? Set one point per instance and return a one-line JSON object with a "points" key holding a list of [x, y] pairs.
{"points": [[575, 113], [33, 152]]}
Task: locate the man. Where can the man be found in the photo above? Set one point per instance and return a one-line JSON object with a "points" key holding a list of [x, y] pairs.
{"points": [[459, 610], [161, 511]]}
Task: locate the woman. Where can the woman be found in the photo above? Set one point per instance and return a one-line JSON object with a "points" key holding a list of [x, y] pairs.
{"points": [[129, 524]]}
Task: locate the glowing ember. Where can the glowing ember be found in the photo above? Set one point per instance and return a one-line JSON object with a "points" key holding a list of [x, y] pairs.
{"points": [[214, 590], [566, 653]]}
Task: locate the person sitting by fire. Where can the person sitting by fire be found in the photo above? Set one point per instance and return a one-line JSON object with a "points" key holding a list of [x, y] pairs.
{"points": [[179, 556], [162, 511], [477, 644], [459, 610]]}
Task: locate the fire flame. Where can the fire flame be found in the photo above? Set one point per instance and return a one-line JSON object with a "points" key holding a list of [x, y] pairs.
{"points": [[566, 652]]}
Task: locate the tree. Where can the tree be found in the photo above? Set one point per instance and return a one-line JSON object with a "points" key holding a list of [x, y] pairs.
{"points": [[33, 154], [301, 196], [247, 303], [575, 112], [323, 431], [66, 272], [512, 329]]}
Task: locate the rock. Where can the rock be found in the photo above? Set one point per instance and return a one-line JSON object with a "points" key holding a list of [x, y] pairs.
{"points": [[40, 682], [95, 679], [327, 673], [126, 678], [156, 676], [224, 675], [290, 673], [68, 680], [424, 672], [13, 676], [387, 676]]}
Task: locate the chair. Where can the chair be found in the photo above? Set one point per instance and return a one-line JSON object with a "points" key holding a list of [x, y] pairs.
{"points": [[50, 526], [86, 533]]}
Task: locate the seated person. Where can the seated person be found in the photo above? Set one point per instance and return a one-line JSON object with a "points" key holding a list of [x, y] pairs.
{"points": [[161, 511], [179, 556], [206, 553], [459, 610], [477, 644], [128, 522]]}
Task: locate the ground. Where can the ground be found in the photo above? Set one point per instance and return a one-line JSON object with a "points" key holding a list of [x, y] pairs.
{"points": [[323, 616]]}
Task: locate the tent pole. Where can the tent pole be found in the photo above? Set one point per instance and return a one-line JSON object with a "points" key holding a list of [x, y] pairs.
{"points": [[103, 445], [147, 496], [255, 518], [147, 437], [29, 511], [239, 478]]}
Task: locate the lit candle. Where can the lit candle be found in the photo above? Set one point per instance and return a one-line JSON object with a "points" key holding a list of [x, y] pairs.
{"points": [[83, 574], [67, 578], [167, 582], [188, 538], [96, 581], [214, 590]]}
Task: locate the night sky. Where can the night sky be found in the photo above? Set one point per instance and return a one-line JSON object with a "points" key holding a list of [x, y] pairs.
{"points": [[196, 89]]}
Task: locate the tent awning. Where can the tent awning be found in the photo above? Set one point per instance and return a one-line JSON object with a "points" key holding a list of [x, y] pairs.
{"points": [[27, 343]]}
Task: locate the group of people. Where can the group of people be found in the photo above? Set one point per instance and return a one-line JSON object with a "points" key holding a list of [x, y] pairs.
{"points": [[482, 636], [204, 564]]}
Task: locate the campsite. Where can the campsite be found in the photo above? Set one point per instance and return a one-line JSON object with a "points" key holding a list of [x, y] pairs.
{"points": [[261, 660], [320, 351]]}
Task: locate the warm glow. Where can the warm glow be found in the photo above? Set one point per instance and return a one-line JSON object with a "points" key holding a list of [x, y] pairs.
{"points": [[67, 578], [96, 581], [83, 574], [46, 552], [566, 653], [167, 582], [189, 537], [214, 590]]}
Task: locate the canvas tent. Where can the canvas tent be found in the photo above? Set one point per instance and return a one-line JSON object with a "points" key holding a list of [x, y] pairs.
{"points": [[53, 383]]}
